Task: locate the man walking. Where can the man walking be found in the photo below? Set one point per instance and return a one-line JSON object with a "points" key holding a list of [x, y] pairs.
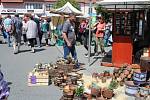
{"points": [[8, 28], [69, 37], [17, 33]]}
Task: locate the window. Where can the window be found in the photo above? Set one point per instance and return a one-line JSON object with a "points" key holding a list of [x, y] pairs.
{"points": [[49, 6], [33, 6]]}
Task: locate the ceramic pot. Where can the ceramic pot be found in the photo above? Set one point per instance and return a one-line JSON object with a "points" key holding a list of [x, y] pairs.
{"points": [[95, 92], [116, 70], [121, 83], [144, 91], [116, 74], [126, 72], [131, 89], [69, 94], [107, 93], [106, 74], [139, 76]]}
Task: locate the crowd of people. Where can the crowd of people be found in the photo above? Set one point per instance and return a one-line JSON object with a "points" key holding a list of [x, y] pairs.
{"points": [[34, 29], [101, 35], [30, 28]]}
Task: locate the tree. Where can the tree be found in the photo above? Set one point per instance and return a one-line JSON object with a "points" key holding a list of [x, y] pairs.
{"points": [[61, 3], [103, 11]]}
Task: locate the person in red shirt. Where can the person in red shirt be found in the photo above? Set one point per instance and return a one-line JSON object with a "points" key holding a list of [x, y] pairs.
{"points": [[82, 27], [100, 32]]}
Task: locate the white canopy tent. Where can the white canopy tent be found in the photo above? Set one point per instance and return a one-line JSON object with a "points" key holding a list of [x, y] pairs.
{"points": [[67, 9]]}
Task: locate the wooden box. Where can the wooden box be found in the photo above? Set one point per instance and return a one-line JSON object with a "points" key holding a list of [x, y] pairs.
{"points": [[39, 78]]}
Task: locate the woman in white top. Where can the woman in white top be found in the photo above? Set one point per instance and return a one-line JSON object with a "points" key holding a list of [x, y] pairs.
{"points": [[32, 32]]}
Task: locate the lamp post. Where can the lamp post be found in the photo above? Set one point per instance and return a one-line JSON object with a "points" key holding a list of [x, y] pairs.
{"points": [[89, 44]]}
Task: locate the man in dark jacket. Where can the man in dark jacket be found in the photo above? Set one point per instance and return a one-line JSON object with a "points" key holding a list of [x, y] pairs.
{"points": [[17, 23]]}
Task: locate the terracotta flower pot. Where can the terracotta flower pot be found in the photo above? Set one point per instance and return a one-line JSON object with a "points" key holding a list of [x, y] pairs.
{"points": [[126, 72], [121, 83], [106, 74], [107, 93], [116, 70], [95, 92], [116, 74], [129, 76], [100, 98]]}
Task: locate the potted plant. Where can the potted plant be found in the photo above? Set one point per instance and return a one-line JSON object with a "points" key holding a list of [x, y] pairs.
{"points": [[113, 85], [79, 91], [107, 93], [95, 90]]}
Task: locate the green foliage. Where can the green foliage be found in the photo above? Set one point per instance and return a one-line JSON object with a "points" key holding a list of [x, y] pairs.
{"points": [[61, 3], [79, 91], [103, 11], [113, 85]]}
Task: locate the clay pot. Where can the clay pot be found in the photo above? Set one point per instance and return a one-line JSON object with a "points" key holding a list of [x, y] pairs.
{"points": [[139, 97], [72, 87], [107, 93], [145, 90], [74, 80], [116, 74], [116, 70], [129, 67], [129, 76], [95, 75], [69, 94], [126, 72], [122, 75], [106, 74], [121, 83], [100, 98], [95, 92], [66, 88]]}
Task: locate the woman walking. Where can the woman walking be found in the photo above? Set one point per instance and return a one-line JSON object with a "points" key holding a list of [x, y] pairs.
{"points": [[32, 31]]}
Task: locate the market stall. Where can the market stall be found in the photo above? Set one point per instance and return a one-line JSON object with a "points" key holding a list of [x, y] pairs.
{"points": [[130, 33], [63, 12]]}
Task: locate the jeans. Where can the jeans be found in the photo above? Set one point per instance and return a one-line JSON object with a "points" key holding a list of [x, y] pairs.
{"points": [[68, 50], [8, 37], [106, 37]]}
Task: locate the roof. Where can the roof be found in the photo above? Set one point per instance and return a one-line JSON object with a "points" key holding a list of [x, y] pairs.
{"points": [[125, 4], [10, 1]]}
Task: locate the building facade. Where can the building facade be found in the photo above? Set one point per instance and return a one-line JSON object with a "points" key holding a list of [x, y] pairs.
{"points": [[35, 6]]}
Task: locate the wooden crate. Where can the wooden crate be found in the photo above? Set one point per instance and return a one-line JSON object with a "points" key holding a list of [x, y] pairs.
{"points": [[40, 78]]}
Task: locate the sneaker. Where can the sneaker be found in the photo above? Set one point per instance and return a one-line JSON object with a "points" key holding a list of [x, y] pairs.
{"points": [[15, 52], [96, 54], [86, 55], [33, 51], [47, 45]]}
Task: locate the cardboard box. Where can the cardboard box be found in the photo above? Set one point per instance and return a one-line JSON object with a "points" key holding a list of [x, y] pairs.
{"points": [[38, 78]]}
